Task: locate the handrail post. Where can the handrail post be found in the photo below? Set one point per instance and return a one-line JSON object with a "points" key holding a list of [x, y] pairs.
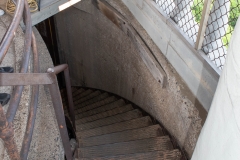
{"points": [[58, 108], [56, 70], [69, 95]]}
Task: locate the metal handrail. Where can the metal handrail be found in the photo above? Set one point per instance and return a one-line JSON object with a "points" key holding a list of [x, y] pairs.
{"points": [[17, 93], [8, 37], [36, 78]]}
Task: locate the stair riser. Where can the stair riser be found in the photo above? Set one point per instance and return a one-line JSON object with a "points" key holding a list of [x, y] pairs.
{"points": [[91, 101], [132, 124], [140, 146], [156, 155], [109, 113], [130, 135], [101, 109], [96, 105], [110, 120]]}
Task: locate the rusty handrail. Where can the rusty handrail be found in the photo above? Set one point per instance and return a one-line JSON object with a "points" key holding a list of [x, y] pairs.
{"points": [[36, 78], [7, 135], [56, 70], [33, 106], [17, 93], [8, 37], [59, 112], [55, 95]]}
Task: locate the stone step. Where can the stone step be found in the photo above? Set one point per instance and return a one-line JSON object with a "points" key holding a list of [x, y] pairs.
{"points": [[156, 155], [77, 91], [64, 94], [139, 146], [105, 114], [101, 109], [110, 120], [88, 97], [88, 102], [96, 105], [83, 94], [91, 101], [117, 127], [124, 136]]}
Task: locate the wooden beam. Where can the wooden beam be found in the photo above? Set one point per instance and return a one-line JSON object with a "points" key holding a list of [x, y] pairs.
{"points": [[144, 51], [203, 24]]}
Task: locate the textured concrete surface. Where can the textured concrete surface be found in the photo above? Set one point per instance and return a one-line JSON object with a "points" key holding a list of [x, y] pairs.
{"points": [[46, 143], [101, 56], [3, 4], [222, 128]]}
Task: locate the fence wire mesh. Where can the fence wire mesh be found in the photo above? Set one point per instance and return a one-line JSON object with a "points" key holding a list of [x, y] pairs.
{"points": [[185, 13], [222, 20]]}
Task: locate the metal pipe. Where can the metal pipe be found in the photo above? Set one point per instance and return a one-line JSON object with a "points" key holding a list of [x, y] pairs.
{"points": [[7, 135], [69, 95], [21, 79], [33, 106], [58, 108], [17, 93], [9, 35], [57, 69]]}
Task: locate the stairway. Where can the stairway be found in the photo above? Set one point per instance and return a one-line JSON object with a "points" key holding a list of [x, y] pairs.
{"points": [[108, 127]]}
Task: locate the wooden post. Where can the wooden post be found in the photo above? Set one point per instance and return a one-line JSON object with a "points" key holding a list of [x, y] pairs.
{"points": [[203, 24]]}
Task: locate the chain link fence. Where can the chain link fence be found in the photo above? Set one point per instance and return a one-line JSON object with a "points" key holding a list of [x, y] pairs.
{"points": [[185, 13], [221, 22]]}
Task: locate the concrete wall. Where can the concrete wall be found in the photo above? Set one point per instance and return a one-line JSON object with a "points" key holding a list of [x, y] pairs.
{"points": [[221, 130], [102, 56], [195, 68]]}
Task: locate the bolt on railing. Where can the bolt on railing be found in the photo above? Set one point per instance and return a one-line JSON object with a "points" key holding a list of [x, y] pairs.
{"points": [[23, 78]]}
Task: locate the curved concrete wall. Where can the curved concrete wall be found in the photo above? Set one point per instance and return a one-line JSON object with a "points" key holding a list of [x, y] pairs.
{"points": [[102, 56], [194, 66], [219, 138]]}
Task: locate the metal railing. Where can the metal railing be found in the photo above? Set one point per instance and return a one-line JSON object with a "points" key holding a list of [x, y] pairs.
{"points": [[23, 78], [208, 23]]}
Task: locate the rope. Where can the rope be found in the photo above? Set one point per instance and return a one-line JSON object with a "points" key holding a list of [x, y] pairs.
{"points": [[10, 6]]}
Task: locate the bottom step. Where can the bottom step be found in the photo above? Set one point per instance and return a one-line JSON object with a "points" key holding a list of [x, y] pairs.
{"points": [[157, 155], [139, 146]]}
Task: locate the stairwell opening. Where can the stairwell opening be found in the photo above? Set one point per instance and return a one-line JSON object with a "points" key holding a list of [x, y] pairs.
{"points": [[103, 56]]}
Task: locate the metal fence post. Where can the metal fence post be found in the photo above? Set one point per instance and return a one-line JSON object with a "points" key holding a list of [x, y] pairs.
{"points": [[203, 24]]}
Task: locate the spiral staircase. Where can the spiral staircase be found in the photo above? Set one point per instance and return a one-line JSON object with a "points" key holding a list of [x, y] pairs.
{"points": [[110, 127]]}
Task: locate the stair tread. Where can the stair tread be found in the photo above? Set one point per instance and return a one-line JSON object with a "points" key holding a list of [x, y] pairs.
{"points": [[78, 92], [97, 104], [64, 93], [83, 94], [105, 114], [110, 120], [139, 146], [155, 155], [108, 129], [88, 97], [101, 109], [124, 136], [91, 101], [117, 127]]}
